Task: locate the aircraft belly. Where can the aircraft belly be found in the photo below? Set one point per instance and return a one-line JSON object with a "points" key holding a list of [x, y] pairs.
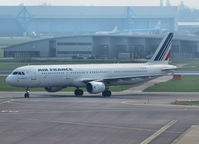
{"points": [[53, 81]]}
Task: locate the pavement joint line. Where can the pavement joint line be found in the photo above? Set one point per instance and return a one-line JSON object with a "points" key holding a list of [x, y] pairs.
{"points": [[181, 136], [94, 125], [160, 131], [78, 111], [85, 111], [7, 101], [102, 126], [189, 136], [155, 104]]}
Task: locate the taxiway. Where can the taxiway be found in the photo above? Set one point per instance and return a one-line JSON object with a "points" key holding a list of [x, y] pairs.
{"points": [[122, 119]]}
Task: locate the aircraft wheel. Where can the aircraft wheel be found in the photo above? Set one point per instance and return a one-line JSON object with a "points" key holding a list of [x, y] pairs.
{"points": [[26, 95], [106, 93], [79, 92]]}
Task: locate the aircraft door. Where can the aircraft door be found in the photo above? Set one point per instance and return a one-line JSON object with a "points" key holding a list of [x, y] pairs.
{"points": [[68, 78], [33, 74], [34, 81]]}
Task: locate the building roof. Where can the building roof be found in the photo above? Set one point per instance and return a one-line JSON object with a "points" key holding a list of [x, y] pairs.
{"points": [[177, 37], [88, 11], [188, 23]]}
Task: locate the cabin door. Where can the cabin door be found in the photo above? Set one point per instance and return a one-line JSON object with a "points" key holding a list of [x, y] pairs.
{"points": [[68, 77], [33, 74]]}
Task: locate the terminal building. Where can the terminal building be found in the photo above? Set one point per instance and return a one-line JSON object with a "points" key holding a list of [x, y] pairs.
{"points": [[103, 47], [82, 31]]}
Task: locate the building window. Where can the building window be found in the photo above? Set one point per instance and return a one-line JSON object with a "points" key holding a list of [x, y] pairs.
{"points": [[73, 52], [71, 43]]}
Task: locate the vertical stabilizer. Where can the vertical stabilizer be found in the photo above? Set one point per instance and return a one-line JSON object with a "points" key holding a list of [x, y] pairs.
{"points": [[162, 53]]}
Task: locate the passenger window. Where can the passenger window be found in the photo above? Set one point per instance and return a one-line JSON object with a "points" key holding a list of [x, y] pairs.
{"points": [[22, 73], [19, 73]]}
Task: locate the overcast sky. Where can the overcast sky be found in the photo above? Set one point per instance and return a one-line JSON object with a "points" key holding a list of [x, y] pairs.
{"points": [[190, 3]]}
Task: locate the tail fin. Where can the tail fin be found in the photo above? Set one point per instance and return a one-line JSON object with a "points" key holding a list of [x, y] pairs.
{"points": [[162, 53], [115, 29]]}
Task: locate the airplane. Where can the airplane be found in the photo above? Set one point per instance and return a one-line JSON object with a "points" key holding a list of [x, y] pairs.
{"points": [[115, 30], [155, 30], [96, 78]]}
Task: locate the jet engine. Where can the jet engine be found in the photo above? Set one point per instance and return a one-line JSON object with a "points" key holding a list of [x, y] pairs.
{"points": [[53, 89], [95, 87]]}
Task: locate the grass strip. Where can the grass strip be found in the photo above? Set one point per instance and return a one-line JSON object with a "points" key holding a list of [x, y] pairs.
{"points": [[187, 103], [186, 84]]}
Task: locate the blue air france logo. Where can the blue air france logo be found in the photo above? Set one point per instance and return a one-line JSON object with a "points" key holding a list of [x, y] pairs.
{"points": [[165, 49], [55, 69]]}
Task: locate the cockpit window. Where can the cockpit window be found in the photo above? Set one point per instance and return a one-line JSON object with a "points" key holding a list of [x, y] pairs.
{"points": [[14, 73], [18, 73]]}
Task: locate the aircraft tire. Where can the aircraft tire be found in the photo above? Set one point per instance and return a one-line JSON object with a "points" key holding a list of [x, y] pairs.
{"points": [[26, 95], [106, 93], [79, 92]]}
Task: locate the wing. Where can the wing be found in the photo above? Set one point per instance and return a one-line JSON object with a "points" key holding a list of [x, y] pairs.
{"points": [[86, 80]]}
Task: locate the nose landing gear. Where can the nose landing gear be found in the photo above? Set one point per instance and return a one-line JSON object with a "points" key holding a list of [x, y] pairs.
{"points": [[27, 94]]}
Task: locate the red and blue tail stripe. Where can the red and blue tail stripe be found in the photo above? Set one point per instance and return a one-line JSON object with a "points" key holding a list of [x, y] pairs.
{"points": [[162, 53]]}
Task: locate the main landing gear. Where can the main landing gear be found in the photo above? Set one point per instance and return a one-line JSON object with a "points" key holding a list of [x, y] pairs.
{"points": [[78, 92], [27, 94], [106, 93]]}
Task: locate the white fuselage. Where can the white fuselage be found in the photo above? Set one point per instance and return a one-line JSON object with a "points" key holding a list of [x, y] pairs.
{"points": [[77, 75]]}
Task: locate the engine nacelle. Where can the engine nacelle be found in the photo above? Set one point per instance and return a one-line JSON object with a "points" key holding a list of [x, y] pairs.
{"points": [[95, 87], [53, 89]]}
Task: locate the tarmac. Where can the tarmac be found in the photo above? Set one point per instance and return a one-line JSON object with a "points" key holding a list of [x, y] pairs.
{"points": [[129, 118], [191, 136]]}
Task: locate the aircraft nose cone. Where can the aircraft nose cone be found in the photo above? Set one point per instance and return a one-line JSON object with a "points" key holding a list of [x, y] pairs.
{"points": [[8, 80]]}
